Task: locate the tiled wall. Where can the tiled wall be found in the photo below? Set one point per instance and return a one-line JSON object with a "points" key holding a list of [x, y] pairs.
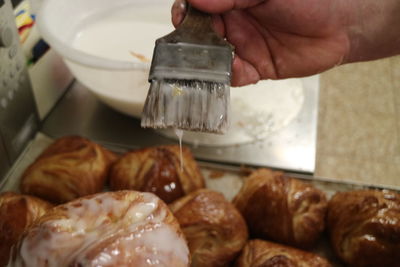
{"points": [[359, 123]]}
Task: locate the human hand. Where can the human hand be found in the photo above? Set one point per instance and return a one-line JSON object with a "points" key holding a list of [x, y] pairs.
{"points": [[277, 39]]}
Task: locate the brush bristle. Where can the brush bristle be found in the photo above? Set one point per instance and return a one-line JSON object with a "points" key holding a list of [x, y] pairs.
{"points": [[187, 104]]}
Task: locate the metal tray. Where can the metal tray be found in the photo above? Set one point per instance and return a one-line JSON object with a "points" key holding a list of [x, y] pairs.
{"points": [[224, 178]]}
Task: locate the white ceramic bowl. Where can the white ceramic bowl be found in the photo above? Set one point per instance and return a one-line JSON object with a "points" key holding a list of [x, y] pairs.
{"points": [[97, 40]]}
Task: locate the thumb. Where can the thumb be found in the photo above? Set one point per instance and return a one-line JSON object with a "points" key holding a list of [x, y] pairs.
{"points": [[220, 6]]}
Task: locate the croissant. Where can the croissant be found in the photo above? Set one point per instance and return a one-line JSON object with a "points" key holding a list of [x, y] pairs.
{"points": [[158, 170], [69, 168], [17, 213], [283, 209], [259, 253], [124, 228], [213, 227], [364, 227]]}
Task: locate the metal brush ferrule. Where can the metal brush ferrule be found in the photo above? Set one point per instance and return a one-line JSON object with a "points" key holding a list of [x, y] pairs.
{"points": [[191, 62]]}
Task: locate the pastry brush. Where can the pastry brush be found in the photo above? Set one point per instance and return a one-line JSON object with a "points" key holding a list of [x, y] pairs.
{"points": [[190, 78]]}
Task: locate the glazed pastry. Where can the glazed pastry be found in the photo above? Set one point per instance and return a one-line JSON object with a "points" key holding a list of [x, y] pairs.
{"points": [[283, 209], [259, 253], [69, 168], [213, 227], [17, 213], [124, 228], [364, 227], [157, 170]]}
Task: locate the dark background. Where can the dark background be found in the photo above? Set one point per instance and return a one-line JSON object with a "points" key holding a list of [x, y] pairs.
{"points": [[14, 2]]}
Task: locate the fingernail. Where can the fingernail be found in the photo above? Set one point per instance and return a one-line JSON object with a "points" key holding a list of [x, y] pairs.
{"points": [[179, 10]]}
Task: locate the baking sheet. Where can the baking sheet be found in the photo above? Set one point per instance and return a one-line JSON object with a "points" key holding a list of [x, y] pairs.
{"points": [[223, 178]]}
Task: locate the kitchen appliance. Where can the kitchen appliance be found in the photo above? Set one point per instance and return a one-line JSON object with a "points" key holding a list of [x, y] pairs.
{"points": [[18, 115]]}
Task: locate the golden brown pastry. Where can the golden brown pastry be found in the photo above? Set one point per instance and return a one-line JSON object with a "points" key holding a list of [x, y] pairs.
{"points": [[283, 209], [17, 213], [364, 227], [260, 253], [124, 228], [71, 167], [213, 227], [157, 170]]}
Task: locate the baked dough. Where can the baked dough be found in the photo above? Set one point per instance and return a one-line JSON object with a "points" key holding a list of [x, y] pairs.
{"points": [[124, 228], [259, 253], [364, 227], [71, 167], [158, 170], [17, 213], [281, 208], [213, 227]]}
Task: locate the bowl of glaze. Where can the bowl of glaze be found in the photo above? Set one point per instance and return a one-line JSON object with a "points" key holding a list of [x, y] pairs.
{"points": [[107, 45]]}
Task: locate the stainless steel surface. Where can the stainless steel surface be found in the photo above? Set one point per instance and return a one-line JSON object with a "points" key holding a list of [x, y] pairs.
{"points": [[18, 116], [292, 148]]}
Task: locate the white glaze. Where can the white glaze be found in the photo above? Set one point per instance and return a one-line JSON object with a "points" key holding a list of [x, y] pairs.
{"points": [[131, 229], [179, 134], [121, 34]]}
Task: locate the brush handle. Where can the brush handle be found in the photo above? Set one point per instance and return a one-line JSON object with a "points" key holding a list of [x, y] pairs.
{"points": [[195, 28], [196, 22]]}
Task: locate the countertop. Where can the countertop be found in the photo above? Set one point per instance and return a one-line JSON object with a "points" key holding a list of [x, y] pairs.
{"points": [[359, 123]]}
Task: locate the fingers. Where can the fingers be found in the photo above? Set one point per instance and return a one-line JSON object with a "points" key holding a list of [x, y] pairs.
{"points": [[220, 6], [250, 43], [243, 73], [252, 61], [209, 6], [218, 25], [178, 12]]}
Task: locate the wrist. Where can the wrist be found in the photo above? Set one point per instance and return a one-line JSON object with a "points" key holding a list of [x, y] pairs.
{"points": [[373, 28]]}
